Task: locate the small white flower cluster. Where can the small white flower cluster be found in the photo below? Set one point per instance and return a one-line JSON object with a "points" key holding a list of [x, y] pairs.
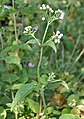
{"points": [[58, 36], [58, 13], [51, 76], [27, 29], [46, 7], [61, 14]]}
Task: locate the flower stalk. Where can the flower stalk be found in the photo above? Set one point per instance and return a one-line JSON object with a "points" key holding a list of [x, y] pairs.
{"points": [[41, 51]]}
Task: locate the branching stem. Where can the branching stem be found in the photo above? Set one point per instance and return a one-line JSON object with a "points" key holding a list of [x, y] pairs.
{"points": [[38, 69]]}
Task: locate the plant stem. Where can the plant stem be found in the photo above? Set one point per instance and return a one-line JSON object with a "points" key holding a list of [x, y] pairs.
{"points": [[40, 103], [38, 70], [16, 115], [1, 41], [78, 39], [81, 53], [35, 39], [45, 33], [41, 52], [15, 27], [43, 98]]}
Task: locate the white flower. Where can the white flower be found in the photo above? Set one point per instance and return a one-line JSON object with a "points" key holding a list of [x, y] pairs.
{"points": [[57, 41], [44, 7], [57, 33], [52, 11], [47, 6], [53, 73], [51, 76], [61, 14], [60, 36], [24, 31], [43, 18], [27, 29], [40, 8], [57, 37]]}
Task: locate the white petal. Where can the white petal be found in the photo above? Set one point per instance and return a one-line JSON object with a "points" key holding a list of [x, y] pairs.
{"points": [[57, 33], [47, 6], [40, 8], [56, 41], [43, 5], [43, 18], [60, 36]]}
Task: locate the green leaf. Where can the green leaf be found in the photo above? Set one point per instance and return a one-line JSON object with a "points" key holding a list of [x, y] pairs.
{"points": [[22, 117], [34, 106], [24, 90], [71, 98], [6, 50], [9, 77], [67, 116], [65, 111], [28, 10], [13, 60], [16, 86], [50, 110], [51, 44], [53, 118], [32, 41], [2, 113], [2, 69], [53, 86], [77, 117], [81, 102], [44, 79]]}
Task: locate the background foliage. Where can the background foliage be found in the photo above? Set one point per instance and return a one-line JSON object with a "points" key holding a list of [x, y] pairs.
{"points": [[15, 56]]}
